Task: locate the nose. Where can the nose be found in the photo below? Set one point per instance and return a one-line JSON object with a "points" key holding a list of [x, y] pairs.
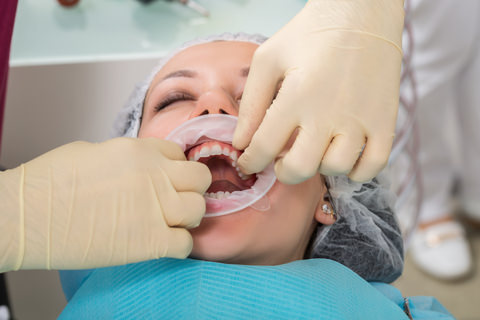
{"points": [[215, 102]]}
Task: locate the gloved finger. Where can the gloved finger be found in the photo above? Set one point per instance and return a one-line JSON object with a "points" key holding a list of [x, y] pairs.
{"points": [[267, 142], [180, 209], [342, 153], [303, 159], [271, 136], [373, 159], [260, 88], [176, 242], [189, 176], [184, 209], [169, 149], [180, 244]]}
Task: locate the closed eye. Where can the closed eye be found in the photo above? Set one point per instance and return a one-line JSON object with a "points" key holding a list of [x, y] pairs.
{"points": [[173, 98]]}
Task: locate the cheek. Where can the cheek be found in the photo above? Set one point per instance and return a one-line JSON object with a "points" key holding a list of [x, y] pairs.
{"points": [[250, 233], [294, 205], [162, 123], [291, 213]]}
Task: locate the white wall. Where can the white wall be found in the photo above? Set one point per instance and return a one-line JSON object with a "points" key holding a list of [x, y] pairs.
{"points": [[48, 106]]}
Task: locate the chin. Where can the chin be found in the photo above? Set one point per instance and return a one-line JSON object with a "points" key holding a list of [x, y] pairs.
{"points": [[222, 239], [206, 250]]}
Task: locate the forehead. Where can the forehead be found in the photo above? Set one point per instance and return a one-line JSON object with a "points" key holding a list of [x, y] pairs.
{"points": [[214, 54]]}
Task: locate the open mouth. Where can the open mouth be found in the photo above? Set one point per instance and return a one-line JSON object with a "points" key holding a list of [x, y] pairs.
{"points": [[208, 139], [221, 159]]}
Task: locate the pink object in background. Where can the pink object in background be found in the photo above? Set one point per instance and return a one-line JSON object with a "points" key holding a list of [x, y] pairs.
{"points": [[7, 18]]}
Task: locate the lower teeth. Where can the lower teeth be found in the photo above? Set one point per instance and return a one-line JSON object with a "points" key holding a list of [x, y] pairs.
{"points": [[218, 195]]}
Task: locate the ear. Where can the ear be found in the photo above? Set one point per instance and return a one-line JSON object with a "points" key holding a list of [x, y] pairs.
{"points": [[324, 213]]}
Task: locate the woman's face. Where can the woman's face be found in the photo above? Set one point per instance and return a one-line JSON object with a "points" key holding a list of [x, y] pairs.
{"points": [[209, 79]]}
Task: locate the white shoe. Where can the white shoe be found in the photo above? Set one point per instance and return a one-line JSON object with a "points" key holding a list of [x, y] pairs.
{"points": [[4, 314], [442, 250]]}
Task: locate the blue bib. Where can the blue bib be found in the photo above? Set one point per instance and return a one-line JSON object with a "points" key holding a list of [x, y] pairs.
{"points": [[193, 289]]}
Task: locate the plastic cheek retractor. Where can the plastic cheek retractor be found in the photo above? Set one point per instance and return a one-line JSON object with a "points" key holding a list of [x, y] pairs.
{"points": [[219, 127]]}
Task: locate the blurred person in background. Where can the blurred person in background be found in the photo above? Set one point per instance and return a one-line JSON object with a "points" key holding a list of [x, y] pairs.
{"points": [[446, 65]]}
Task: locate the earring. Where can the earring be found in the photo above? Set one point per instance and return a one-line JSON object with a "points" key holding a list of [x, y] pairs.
{"points": [[327, 210]]}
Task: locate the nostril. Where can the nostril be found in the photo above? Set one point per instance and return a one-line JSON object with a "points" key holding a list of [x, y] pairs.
{"points": [[205, 112], [223, 111]]}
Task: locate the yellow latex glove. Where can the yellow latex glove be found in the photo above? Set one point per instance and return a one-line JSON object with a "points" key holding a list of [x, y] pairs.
{"points": [[87, 205], [340, 63]]}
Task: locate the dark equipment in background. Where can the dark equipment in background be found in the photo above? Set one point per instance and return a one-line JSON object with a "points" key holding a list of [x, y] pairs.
{"points": [[188, 3]]}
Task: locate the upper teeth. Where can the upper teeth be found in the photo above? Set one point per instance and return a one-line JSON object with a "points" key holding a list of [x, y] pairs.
{"points": [[241, 175], [216, 149], [205, 152]]}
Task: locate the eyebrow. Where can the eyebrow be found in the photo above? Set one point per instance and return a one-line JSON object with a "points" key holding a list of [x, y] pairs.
{"points": [[180, 74], [192, 74]]}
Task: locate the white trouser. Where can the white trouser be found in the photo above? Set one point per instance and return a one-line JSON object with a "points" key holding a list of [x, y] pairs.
{"points": [[446, 64]]}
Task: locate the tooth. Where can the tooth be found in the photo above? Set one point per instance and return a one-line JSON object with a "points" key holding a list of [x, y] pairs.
{"points": [[220, 195], [204, 152], [243, 176], [234, 156], [191, 159], [227, 194], [196, 156], [216, 150], [226, 151]]}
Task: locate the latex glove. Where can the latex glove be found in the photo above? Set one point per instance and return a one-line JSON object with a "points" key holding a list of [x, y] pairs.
{"points": [[89, 205], [340, 62]]}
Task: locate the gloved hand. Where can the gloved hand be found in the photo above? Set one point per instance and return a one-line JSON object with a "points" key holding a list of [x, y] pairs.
{"points": [[340, 63], [87, 205]]}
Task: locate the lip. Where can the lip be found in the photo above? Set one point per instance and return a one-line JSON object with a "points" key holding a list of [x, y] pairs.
{"points": [[200, 141], [201, 129]]}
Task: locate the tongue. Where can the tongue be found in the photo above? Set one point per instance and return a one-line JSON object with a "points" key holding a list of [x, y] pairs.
{"points": [[223, 185], [224, 176]]}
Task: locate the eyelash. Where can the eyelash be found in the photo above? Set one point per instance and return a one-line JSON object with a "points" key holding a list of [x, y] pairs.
{"points": [[181, 96], [172, 98]]}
